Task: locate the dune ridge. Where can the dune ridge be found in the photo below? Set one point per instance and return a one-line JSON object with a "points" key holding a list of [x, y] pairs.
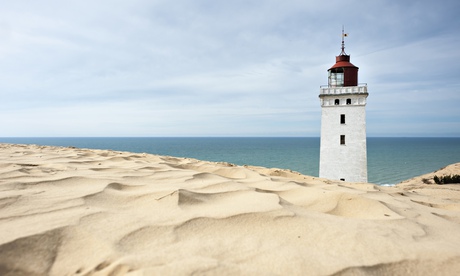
{"points": [[69, 211]]}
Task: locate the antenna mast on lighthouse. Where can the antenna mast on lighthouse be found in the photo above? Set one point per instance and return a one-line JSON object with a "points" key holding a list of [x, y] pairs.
{"points": [[343, 42]]}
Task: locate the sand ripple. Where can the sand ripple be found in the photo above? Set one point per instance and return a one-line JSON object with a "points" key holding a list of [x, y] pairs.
{"points": [[67, 211]]}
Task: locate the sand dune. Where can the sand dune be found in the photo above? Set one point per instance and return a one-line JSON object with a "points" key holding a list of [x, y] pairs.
{"points": [[67, 211]]}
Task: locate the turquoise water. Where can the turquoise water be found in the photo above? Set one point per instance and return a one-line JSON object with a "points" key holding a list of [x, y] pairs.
{"points": [[390, 160]]}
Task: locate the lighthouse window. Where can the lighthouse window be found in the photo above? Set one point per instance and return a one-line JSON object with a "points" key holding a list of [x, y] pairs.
{"points": [[342, 139], [348, 101], [337, 102], [342, 119], [336, 77]]}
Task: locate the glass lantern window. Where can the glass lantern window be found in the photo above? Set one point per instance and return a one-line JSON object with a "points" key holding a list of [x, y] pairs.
{"points": [[336, 78]]}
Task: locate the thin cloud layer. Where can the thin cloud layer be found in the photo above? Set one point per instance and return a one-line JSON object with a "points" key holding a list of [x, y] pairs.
{"points": [[222, 68]]}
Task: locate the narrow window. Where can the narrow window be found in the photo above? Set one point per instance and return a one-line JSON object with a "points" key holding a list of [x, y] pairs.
{"points": [[337, 102], [342, 139], [342, 119], [348, 101], [342, 179]]}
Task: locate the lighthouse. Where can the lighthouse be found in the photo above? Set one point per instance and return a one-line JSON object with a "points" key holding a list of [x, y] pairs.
{"points": [[343, 153]]}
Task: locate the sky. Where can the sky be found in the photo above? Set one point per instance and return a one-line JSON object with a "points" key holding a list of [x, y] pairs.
{"points": [[161, 68]]}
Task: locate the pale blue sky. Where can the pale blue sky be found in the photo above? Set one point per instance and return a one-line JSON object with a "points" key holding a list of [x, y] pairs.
{"points": [[223, 68]]}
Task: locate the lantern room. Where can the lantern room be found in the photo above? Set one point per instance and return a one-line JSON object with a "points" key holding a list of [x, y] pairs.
{"points": [[343, 73]]}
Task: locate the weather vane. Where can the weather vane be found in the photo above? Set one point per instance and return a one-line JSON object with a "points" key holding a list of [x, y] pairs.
{"points": [[343, 42]]}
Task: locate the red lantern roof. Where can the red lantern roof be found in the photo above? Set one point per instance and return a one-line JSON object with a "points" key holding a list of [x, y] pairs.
{"points": [[342, 61]]}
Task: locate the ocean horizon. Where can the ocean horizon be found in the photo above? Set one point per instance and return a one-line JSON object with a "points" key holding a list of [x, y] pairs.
{"points": [[390, 159]]}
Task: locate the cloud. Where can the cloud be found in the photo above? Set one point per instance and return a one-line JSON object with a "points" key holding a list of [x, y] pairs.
{"points": [[221, 68]]}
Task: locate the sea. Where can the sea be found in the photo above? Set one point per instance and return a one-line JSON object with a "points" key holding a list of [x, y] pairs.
{"points": [[390, 160]]}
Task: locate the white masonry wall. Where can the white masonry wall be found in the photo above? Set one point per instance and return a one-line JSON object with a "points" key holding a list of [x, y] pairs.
{"points": [[349, 161]]}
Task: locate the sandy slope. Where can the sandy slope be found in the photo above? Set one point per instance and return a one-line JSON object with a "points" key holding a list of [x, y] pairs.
{"points": [[428, 178], [67, 211]]}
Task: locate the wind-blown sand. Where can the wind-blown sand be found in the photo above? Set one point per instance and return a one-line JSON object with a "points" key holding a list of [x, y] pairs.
{"points": [[66, 211]]}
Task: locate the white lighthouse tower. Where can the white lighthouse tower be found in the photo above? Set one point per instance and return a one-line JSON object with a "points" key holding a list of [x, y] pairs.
{"points": [[343, 154]]}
